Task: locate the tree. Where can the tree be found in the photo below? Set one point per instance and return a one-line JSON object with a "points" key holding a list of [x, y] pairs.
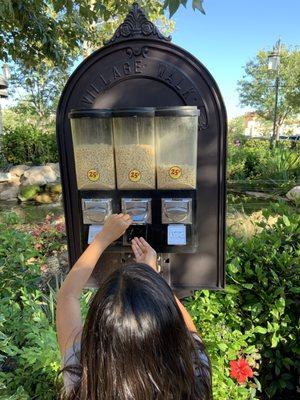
{"points": [[257, 90], [41, 87], [56, 30], [236, 128]]}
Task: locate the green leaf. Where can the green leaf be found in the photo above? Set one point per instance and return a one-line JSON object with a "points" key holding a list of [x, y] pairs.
{"points": [[286, 376], [260, 329], [272, 389], [274, 341], [248, 285], [286, 220], [250, 349], [295, 290], [222, 346], [257, 383], [198, 4], [232, 289], [173, 6]]}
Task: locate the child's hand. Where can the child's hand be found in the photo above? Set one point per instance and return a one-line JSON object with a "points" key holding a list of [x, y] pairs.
{"points": [[143, 252], [115, 226]]}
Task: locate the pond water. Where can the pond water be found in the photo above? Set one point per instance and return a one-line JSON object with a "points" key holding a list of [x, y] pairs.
{"points": [[32, 213]]}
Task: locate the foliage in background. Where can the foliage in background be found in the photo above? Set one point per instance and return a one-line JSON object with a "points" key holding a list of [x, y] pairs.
{"points": [[256, 318], [252, 164], [236, 128], [256, 89], [29, 357], [258, 315], [58, 31], [173, 5], [28, 144], [43, 86]]}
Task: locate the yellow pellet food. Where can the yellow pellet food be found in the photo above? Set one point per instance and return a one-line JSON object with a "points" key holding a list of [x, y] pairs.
{"points": [[184, 179], [135, 166], [95, 167]]}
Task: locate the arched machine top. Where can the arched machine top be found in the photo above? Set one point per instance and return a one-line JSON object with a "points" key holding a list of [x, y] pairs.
{"points": [[140, 67], [138, 51]]}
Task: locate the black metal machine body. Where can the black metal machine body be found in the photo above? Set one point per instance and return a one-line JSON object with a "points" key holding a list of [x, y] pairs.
{"points": [[139, 67]]}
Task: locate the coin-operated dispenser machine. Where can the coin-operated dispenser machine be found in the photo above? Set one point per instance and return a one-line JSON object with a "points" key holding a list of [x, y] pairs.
{"points": [[141, 129]]}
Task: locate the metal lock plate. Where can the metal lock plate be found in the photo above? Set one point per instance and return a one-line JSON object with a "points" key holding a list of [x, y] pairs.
{"points": [[176, 211], [138, 209], [94, 211]]}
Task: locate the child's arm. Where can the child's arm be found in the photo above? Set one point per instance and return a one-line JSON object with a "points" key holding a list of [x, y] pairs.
{"points": [[143, 252], [68, 315]]}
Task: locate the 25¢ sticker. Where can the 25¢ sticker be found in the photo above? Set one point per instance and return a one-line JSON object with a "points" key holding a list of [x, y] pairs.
{"points": [[175, 172], [134, 175], [93, 175]]}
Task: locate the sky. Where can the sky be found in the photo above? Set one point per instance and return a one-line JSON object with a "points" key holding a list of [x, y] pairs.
{"points": [[231, 33]]}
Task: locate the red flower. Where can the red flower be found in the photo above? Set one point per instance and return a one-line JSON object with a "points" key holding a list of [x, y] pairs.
{"points": [[240, 370]]}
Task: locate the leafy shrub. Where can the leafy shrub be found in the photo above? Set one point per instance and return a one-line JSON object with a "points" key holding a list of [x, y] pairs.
{"points": [[28, 144], [255, 318], [252, 165], [29, 357], [257, 312], [283, 165]]}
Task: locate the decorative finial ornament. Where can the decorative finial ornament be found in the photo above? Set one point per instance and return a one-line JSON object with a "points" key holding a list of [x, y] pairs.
{"points": [[136, 25]]}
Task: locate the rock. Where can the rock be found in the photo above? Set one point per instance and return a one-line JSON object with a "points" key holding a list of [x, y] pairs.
{"points": [[54, 188], [294, 194], [9, 191], [55, 197], [55, 167], [28, 192], [5, 176], [18, 170], [40, 175], [43, 198]]}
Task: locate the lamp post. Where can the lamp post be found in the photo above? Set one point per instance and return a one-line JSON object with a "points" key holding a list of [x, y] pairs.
{"points": [[273, 65], [3, 89]]}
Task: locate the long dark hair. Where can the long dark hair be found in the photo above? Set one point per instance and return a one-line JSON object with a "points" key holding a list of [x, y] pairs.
{"points": [[135, 344]]}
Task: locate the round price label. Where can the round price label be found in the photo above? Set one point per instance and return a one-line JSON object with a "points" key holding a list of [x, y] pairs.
{"points": [[93, 175], [134, 175], [175, 172]]}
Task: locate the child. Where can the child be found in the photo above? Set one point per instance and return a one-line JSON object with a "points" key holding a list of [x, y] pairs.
{"points": [[138, 341]]}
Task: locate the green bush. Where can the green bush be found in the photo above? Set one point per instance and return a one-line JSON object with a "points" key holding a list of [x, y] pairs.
{"points": [[29, 357], [252, 165], [256, 317], [27, 144]]}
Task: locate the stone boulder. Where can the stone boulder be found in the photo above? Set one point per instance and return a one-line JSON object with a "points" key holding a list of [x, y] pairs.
{"points": [[40, 175], [55, 167], [294, 194], [44, 198], [9, 191], [18, 170], [5, 176]]}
